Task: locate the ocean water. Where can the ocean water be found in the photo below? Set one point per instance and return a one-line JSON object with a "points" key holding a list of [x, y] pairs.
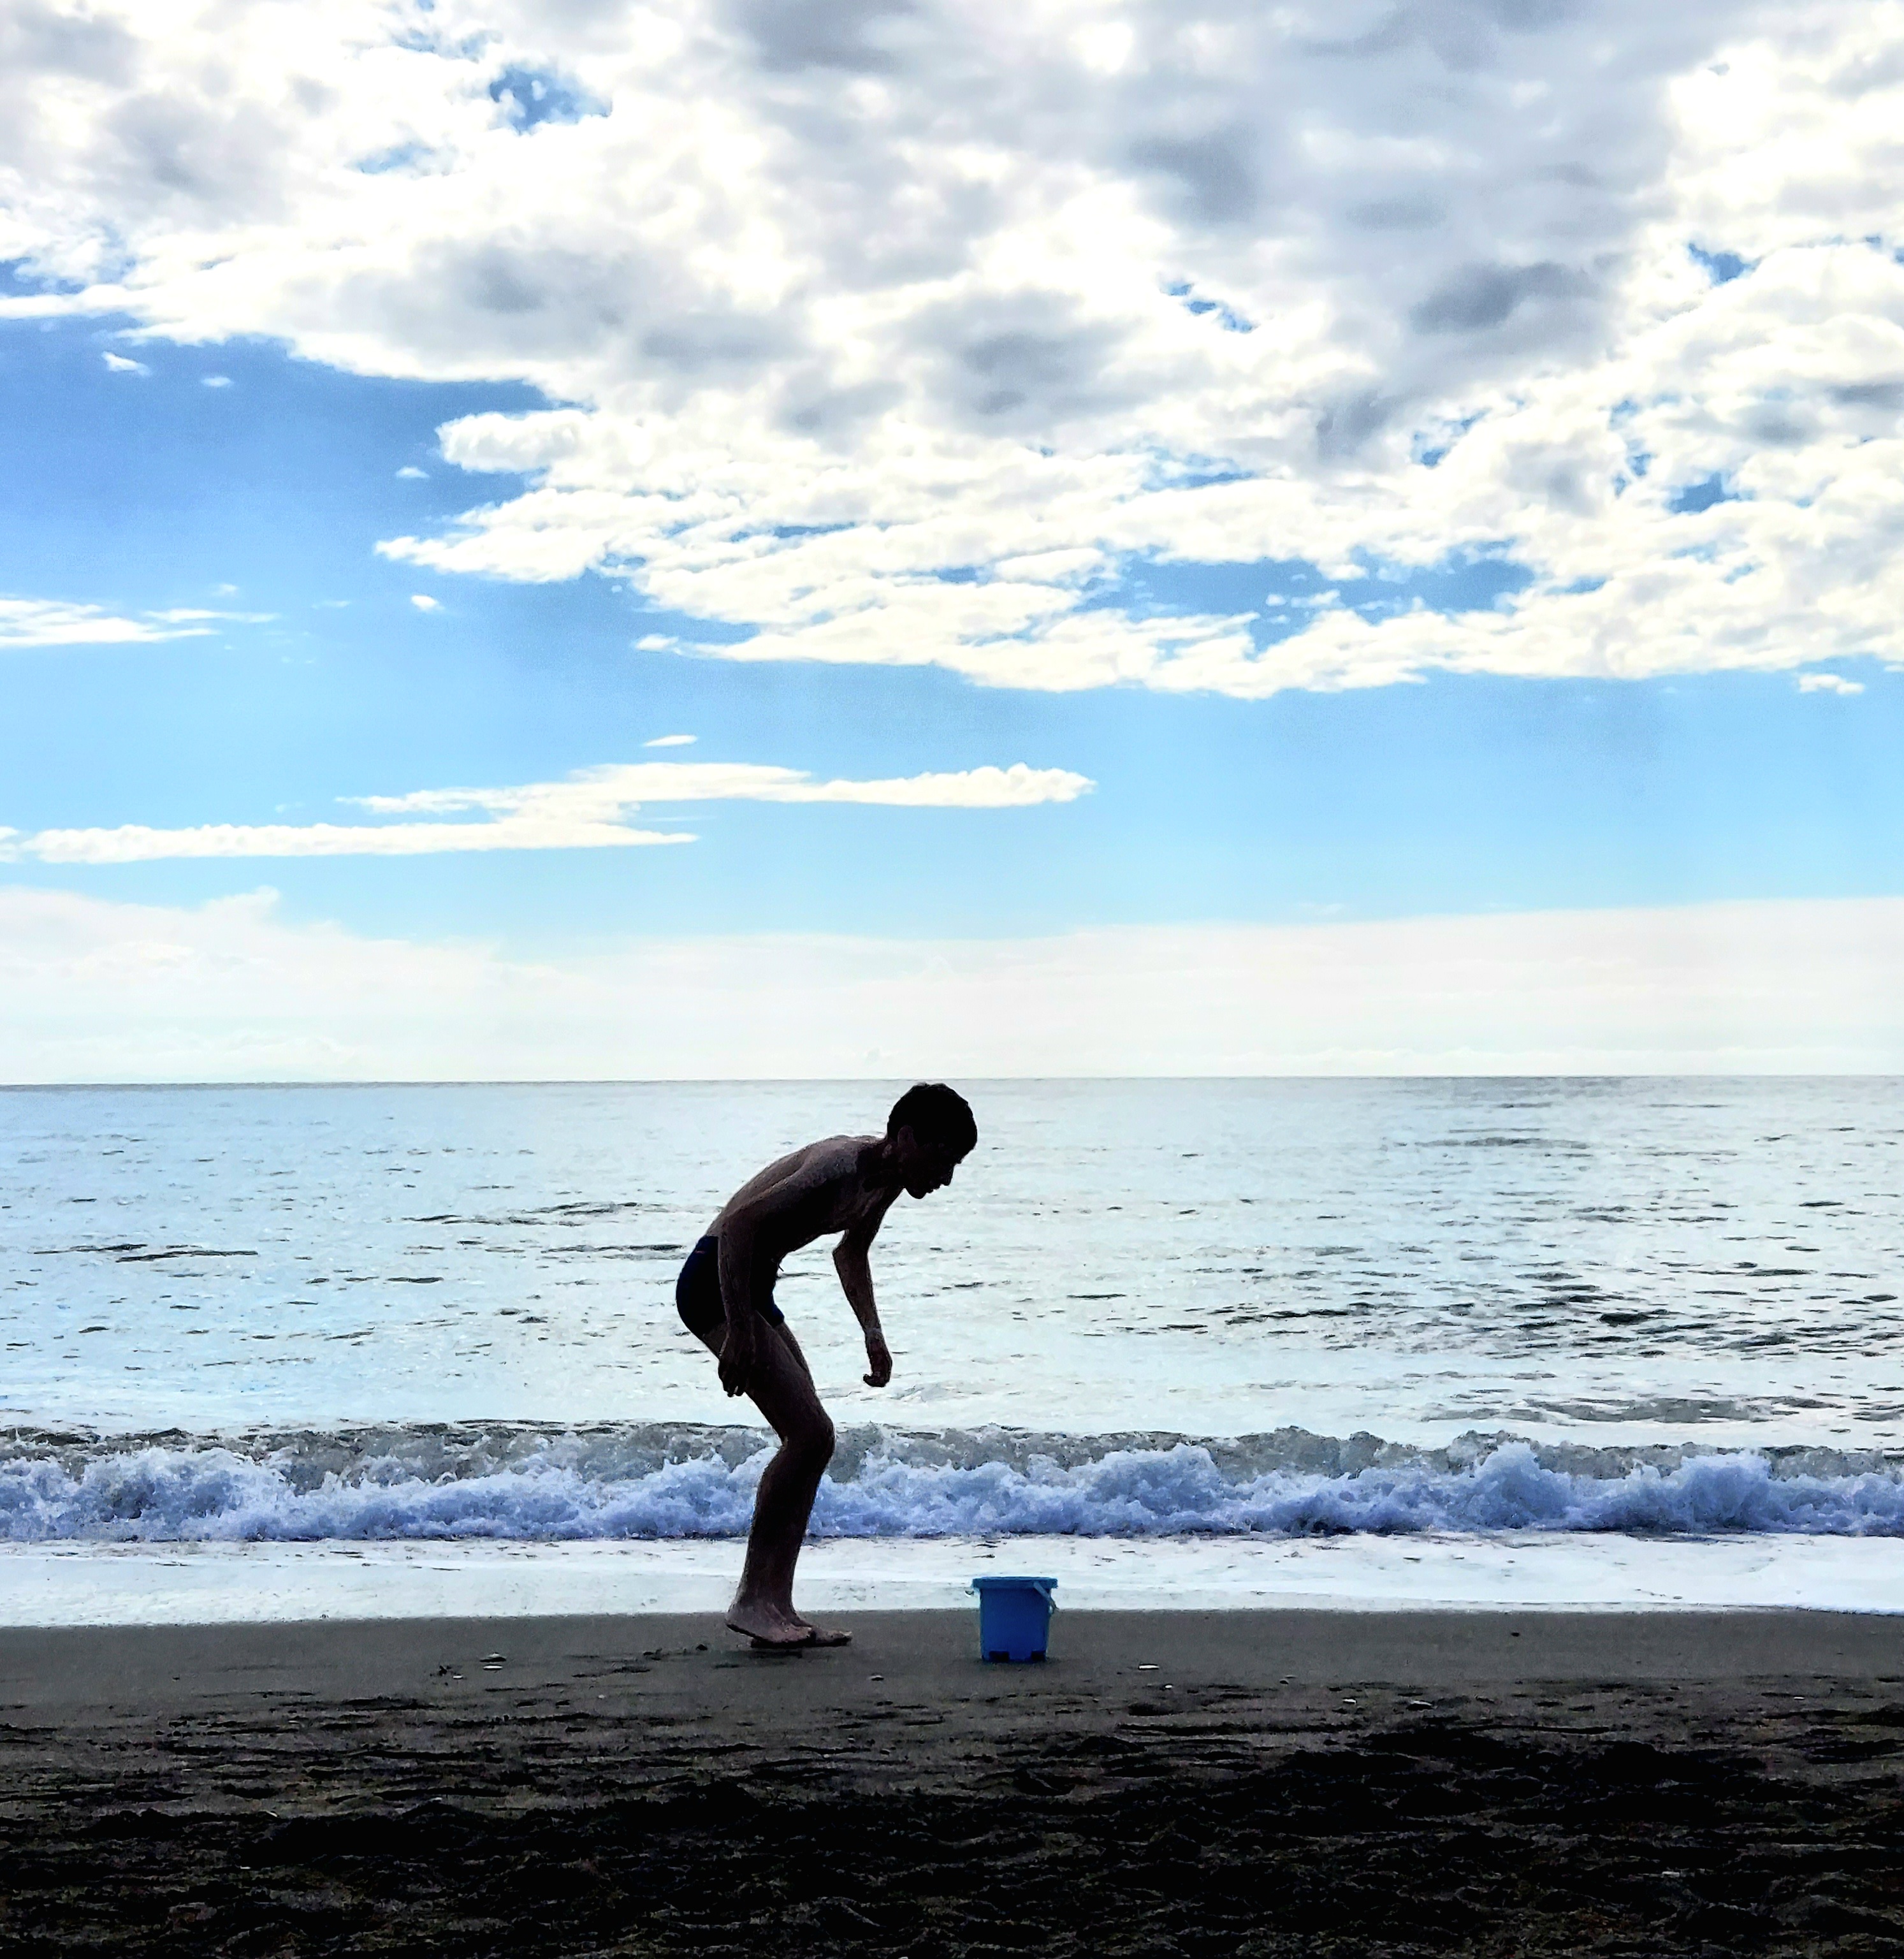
{"points": [[1261, 1312]]}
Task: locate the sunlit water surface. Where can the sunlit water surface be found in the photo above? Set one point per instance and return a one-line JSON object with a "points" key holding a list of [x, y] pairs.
{"points": [[1156, 1310]]}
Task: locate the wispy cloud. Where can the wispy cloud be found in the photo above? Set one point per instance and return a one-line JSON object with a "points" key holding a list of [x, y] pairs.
{"points": [[134, 843], [52, 622], [1828, 683], [118, 363], [590, 811], [670, 742]]}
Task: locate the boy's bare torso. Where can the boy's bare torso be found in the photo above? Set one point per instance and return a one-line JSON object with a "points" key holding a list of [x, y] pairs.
{"points": [[824, 1187]]}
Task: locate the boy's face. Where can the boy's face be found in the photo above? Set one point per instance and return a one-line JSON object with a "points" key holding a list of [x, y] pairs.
{"points": [[924, 1167]]}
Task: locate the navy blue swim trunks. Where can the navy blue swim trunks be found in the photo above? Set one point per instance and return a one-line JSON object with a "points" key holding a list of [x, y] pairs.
{"points": [[697, 1292]]}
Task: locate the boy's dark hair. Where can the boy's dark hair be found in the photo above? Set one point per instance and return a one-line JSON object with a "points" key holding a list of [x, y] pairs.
{"points": [[935, 1114]]}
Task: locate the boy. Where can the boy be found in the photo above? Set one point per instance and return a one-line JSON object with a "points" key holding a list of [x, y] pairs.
{"points": [[725, 1295]]}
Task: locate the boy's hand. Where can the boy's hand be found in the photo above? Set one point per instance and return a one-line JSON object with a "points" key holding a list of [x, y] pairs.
{"points": [[738, 1352], [879, 1359]]}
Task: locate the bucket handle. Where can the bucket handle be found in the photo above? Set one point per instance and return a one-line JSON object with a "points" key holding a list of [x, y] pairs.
{"points": [[1047, 1591]]}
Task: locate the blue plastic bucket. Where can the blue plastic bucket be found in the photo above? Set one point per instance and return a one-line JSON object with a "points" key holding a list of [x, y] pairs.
{"points": [[1014, 1617]]}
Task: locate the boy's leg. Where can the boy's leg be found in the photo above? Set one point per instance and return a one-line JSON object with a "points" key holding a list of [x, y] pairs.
{"points": [[783, 1392], [778, 1573]]}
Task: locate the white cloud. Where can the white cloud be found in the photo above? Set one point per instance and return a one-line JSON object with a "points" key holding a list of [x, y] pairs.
{"points": [[177, 615], [410, 473], [136, 844], [670, 742], [1828, 683], [424, 603], [118, 363], [51, 622], [588, 811], [842, 298], [598, 793], [92, 990], [215, 380]]}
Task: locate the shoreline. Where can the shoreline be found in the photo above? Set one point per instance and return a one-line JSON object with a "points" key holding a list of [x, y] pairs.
{"points": [[72, 1583]]}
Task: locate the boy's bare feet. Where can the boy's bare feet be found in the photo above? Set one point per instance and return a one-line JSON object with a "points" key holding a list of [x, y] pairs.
{"points": [[768, 1626], [823, 1636]]}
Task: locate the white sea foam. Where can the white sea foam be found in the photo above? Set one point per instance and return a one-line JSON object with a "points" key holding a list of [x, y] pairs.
{"points": [[641, 1482]]}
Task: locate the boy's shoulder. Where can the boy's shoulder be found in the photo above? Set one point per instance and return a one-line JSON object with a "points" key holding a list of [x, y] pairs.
{"points": [[833, 1158], [820, 1187]]}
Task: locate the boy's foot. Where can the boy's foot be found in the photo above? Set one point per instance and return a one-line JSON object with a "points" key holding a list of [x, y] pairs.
{"points": [[826, 1636], [766, 1627]]}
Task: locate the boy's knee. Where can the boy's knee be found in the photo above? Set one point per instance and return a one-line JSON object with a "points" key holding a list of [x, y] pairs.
{"points": [[815, 1442]]}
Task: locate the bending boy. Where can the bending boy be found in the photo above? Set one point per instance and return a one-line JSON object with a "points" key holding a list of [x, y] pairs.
{"points": [[724, 1294]]}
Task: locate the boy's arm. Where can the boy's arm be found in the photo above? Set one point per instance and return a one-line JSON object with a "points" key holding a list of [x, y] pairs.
{"points": [[740, 1231], [735, 1266], [856, 1281]]}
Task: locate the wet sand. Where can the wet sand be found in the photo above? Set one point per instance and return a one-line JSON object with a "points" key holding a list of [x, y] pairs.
{"points": [[1252, 1783]]}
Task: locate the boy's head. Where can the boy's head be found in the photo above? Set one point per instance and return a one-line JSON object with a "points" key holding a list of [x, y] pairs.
{"points": [[931, 1131]]}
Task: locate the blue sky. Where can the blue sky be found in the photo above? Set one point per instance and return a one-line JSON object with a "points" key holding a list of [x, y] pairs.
{"points": [[140, 493], [1288, 480]]}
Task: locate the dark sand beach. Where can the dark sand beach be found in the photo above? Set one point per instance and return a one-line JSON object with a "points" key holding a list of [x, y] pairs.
{"points": [[1249, 1783]]}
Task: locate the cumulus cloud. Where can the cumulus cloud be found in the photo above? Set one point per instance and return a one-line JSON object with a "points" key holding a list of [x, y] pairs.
{"points": [[1828, 683], [51, 622], [587, 811], [899, 333], [118, 363], [233, 990], [424, 603]]}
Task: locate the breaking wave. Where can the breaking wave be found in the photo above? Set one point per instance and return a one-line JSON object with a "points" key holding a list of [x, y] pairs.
{"points": [[545, 1485]]}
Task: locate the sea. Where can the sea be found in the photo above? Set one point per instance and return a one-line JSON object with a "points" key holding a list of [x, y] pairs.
{"points": [[274, 1351]]}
